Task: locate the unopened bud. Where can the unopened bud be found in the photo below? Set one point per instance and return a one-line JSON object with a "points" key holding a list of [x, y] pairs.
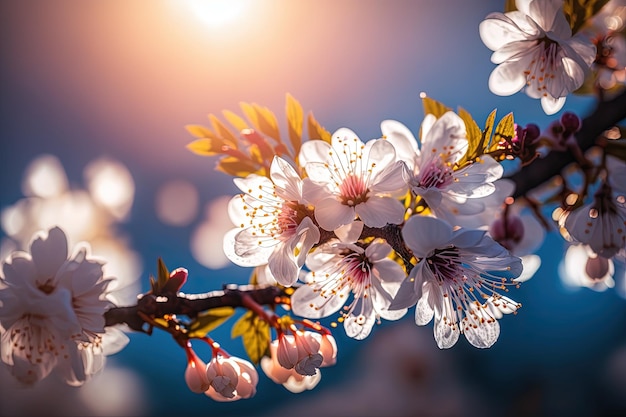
{"points": [[570, 122], [507, 231]]}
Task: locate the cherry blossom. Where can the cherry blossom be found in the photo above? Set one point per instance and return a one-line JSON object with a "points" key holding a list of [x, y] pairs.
{"points": [[361, 179], [582, 267], [289, 378], [339, 269], [600, 224], [457, 196], [535, 50], [456, 280], [52, 315], [274, 219], [222, 379]]}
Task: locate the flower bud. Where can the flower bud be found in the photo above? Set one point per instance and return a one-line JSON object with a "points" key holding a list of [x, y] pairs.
{"points": [[223, 375], [246, 382], [571, 122], [195, 374], [287, 352], [507, 231], [328, 349]]}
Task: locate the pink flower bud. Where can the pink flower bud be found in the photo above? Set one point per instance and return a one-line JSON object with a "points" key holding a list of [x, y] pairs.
{"points": [[223, 375], [287, 352], [507, 231], [571, 122], [195, 374], [246, 382], [328, 349], [178, 277]]}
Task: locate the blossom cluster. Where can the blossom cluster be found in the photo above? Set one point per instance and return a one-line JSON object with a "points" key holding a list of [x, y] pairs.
{"points": [[331, 228]]}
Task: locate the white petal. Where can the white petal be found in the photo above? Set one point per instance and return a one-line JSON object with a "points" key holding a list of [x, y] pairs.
{"points": [[378, 211], [402, 140], [484, 335], [314, 151], [49, 252], [243, 249], [446, 335], [551, 105], [306, 301], [423, 234], [331, 214], [508, 78]]}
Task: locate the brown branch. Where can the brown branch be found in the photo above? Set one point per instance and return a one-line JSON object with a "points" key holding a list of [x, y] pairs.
{"points": [[606, 115], [190, 304]]}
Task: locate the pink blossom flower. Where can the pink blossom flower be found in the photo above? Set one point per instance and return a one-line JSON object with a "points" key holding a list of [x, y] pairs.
{"points": [[247, 379], [289, 378]]}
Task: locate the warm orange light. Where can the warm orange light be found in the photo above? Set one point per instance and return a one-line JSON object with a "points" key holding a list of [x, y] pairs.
{"points": [[217, 12]]}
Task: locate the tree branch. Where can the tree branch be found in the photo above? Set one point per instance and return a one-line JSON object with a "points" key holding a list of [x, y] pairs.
{"points": [[191, 304], [606, 115]]}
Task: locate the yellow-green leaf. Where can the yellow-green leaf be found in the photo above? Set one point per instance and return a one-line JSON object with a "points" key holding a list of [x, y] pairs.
{"points": [[199, 131], [509, 6], [238, 168], [255, 335], [434, 107], [474, 133], [238, 123], [504, 131], [223, 132], [209, 320], [262, 119], [316, 131], [295, 121], [204, 147]]}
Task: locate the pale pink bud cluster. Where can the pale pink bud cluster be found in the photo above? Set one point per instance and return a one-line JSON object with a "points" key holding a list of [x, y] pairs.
{"points": [[223, 378], [295, 359]]}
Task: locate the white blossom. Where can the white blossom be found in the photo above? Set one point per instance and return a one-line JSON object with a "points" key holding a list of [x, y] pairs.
{"points": [[274, 219], [339, 269], [52, 315], [456, 280], [464, 197], [361, 179], [534, 49]]}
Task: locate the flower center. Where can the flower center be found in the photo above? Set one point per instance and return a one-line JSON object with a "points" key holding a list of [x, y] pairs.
{"points": [[435, 175], [445, 265], [353, 190], [543, 67], [357, 269], [46, 287], [290, 216]]}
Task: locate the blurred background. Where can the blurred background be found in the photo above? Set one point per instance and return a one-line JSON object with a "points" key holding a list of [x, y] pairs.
{"points": [[94, 99]]}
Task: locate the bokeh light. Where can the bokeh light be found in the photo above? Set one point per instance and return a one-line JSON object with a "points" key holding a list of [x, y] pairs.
{"points": [[177, 203], [207, 238]]}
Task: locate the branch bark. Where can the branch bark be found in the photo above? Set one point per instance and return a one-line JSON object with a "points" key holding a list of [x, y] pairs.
{"points": [[607, 114], [190, 304]]}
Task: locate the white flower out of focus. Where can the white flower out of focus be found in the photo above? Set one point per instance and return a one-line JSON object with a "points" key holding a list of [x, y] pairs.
{"points": [[535, 51], [52, 315], [360, 179], [456, 281]]}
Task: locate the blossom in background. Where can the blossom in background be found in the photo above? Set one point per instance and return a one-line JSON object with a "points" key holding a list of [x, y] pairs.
{"points": [[52, 315], [361, 179], [341, 268], [582, 267], [606, 30], [456, 280], [274, 220], [457, 196], [535, 51], [600, 224]]}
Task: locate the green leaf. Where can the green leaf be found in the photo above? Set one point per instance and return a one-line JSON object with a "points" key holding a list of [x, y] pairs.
{"points": [[262, 119], [577, 12], [223, 132], [209, 320], [199, 131], [205, 147], [238, 123], [255, 335]]}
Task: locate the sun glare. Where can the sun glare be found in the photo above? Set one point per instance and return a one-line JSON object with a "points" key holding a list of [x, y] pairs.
{"points": [[217, 12]]}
